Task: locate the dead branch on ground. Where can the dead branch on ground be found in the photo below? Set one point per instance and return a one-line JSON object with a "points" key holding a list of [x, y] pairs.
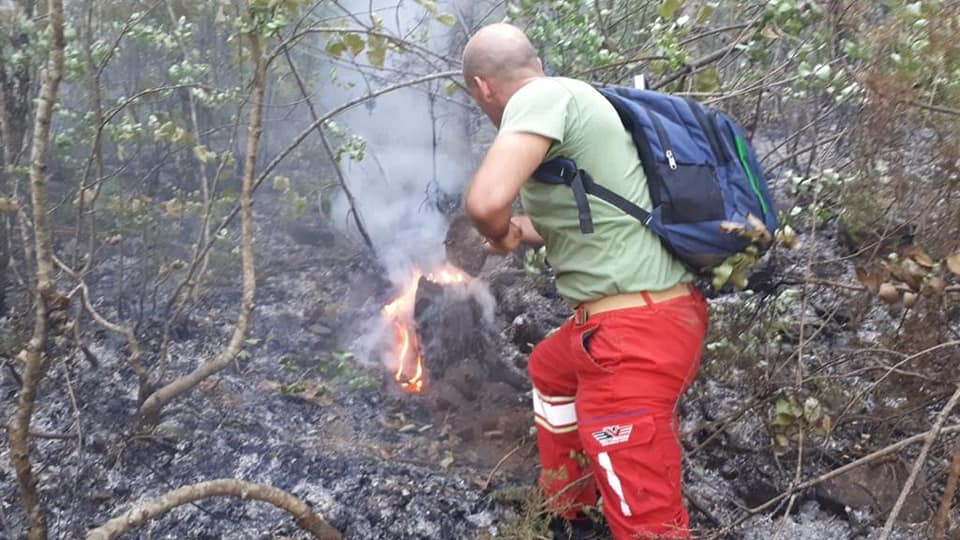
{"points": [[869, 458], [943, 514], [931, 436], [305, 518]]}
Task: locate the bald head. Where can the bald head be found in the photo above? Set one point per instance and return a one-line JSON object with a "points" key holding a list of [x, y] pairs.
{"points": [[502, 53]]}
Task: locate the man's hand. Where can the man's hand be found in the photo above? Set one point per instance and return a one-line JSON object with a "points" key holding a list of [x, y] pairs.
{"points": [[508, 243]]}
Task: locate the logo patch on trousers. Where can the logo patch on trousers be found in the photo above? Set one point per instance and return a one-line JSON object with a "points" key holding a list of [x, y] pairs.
{"points": [[613, 434]]}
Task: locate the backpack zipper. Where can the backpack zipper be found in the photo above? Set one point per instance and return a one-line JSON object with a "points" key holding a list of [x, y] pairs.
{"points": [[710, 129], [664, 141]]}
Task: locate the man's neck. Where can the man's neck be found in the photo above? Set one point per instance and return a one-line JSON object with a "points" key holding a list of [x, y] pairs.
{"points": [[520, 83]]}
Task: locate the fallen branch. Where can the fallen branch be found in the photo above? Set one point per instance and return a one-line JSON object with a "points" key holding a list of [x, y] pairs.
{"points": [[943, 514], [306, 519], [869, 458], [918, 464]]}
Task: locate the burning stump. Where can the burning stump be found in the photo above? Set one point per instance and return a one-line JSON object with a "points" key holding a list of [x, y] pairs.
{"points": [[450, 323], [443, 328]]}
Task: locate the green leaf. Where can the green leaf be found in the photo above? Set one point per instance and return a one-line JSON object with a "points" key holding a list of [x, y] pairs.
{"points": [[669, 8], [707, 80], [355, 43], [376, 51], [812, 411], [342, 356], [785, 407], [706, 12], [335, 48], [452, 88], [447, 19], [203, 155], [281, 183], [783, 420]]}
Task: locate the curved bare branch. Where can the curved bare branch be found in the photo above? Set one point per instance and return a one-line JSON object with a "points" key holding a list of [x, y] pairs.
{"points": [[305, 518]]}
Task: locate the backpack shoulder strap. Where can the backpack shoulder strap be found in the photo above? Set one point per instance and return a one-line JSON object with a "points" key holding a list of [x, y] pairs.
{"points": [[563, 171]]}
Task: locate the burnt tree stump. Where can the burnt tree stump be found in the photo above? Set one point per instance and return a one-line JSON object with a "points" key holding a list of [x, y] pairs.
{"points": [[457, 345]]}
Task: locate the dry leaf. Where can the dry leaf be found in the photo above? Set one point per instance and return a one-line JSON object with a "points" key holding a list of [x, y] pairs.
{"points": [[8, 206], [760, 228], [919, 256], [869, 280], [732, 227], [953, 263], [888, 293], [786, 237], [271, 386], [913, 274], [909, 299], [936, 286]]}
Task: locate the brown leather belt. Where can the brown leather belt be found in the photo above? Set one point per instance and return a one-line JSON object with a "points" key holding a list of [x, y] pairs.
{"points": [[630, 300]]}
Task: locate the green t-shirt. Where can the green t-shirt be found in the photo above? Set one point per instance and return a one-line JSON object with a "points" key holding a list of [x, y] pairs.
{"points": [[621, 256]]}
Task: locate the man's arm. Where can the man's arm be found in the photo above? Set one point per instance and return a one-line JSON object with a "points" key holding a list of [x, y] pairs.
{"points": [[508, 164]]}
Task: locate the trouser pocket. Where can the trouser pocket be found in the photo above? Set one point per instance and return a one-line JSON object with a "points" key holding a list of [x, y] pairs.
{"points": [[635, 475]]}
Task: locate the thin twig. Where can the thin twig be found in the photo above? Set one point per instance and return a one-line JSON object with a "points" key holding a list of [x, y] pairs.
{"points": [[918, 464], [943, 514], [486, 484], [76, 408]]}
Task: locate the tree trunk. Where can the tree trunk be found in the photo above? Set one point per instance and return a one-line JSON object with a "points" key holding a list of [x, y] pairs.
{"points": [[34, 358], [15, 103]]}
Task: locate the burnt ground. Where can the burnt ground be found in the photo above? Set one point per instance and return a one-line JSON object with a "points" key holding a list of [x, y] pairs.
{"points": [[309, 408]]}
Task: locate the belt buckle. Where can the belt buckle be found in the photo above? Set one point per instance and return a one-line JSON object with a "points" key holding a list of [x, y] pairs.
{"points": [[580, 315]]}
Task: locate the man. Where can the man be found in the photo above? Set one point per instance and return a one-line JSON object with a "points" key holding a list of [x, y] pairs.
{"points": [[606, 384]]}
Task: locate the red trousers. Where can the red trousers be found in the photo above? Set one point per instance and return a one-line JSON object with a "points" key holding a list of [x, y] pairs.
{"points": [[605, 396]]}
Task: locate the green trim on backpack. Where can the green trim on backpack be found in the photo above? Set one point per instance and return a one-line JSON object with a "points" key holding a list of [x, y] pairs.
{"points": [[754, 183]]}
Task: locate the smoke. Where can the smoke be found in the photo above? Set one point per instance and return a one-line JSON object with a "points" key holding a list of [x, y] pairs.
{"points": [[418, 152], [418, 158]]}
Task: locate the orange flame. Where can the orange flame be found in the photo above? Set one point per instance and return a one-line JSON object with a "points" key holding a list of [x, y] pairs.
{"points": [[410, 373]]}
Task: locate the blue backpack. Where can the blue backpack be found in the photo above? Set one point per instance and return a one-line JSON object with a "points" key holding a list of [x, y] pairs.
{"points": [[710, 198]]}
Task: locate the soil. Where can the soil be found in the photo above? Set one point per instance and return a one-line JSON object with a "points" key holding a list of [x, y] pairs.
{"points": [[310, 408]]}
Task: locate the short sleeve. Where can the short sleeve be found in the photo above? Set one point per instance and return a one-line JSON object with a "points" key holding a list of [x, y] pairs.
{"points": [[541, 107]]}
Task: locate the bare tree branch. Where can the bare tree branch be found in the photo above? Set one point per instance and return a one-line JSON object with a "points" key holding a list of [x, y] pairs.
{"points": [[305, 518], [152, 405], [918, 464], [333, 159]]}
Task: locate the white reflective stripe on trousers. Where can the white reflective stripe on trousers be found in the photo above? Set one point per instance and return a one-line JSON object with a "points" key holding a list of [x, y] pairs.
{"points": [[555, 414], [614, 481]]}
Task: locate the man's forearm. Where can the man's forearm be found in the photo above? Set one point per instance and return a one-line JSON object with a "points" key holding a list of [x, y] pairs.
{"points": [[492, 223]]}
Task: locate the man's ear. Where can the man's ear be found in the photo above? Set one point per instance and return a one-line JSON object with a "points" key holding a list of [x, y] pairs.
{"points": [[486, 91]]}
